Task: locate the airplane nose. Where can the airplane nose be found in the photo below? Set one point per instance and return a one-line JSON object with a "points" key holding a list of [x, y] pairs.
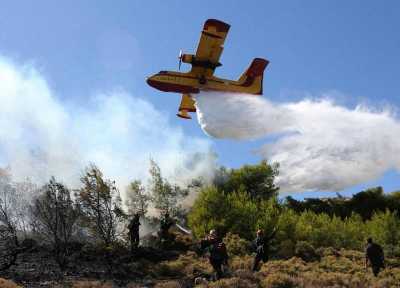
{"points": [[151, 82]]}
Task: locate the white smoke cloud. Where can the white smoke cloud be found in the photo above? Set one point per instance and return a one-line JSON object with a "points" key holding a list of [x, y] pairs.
{"points": [[41, 136], [318, 144]]}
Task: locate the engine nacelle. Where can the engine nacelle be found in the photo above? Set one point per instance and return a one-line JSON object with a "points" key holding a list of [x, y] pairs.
{"points": [[191, 59], [187, 58]]}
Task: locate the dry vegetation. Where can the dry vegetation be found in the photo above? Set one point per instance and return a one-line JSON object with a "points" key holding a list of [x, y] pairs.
{"points": [[344, 268], [335, 269]]}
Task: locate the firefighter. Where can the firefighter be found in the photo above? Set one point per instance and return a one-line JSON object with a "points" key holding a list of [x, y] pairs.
{"points": [[218, 255]]}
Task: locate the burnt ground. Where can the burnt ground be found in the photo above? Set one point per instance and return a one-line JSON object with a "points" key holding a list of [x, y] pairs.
{"points": [[38, 268]]}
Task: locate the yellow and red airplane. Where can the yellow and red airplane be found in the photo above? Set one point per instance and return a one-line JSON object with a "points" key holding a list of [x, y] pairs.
{"points": [[201, 77]]}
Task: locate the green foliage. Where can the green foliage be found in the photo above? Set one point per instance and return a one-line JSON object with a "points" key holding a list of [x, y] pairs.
{"points": [[137, 200], [384, 228], [165, 196], [239, 213], [242, 201], [367, 202], [235, 245], [101, 205], [268, 215], [235, 212], [208, 212], [240, 206], [364, 203], [306, 251], [256, 180]]}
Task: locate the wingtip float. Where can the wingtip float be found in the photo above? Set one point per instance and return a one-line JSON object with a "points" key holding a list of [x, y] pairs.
{"points": [[201, 76]]}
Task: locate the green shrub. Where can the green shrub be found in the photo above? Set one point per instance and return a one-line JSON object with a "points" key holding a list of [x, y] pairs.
{"points": [[384, 228], [286, 249], [236, 245], [306, 251]]}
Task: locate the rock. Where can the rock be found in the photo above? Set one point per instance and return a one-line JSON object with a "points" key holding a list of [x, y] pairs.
{"points": [[200, 280], [8, 284]]}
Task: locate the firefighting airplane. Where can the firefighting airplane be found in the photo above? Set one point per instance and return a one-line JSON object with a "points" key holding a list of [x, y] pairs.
{"points": [[201, 77]]}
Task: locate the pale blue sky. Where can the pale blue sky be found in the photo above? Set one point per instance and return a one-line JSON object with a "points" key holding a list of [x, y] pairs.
{"points": [[314, 46]]}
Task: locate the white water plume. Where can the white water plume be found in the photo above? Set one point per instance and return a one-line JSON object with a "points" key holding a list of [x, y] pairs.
{"points": [[320, 146]]}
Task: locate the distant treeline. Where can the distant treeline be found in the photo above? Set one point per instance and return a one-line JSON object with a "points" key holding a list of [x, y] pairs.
{"points": [[364, 203]]}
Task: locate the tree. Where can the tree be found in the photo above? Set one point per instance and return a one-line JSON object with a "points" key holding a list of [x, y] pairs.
{"points": [[209, 211], [9, 244], [256, 180], [165, 195], [55, 217], [241, 201], [137, 200], [101, 205], [25, 192], [234, 212], [384, 227], [367, 202]]}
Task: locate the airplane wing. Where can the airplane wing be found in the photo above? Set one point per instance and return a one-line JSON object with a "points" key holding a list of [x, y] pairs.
{"points": [[210, 48]]}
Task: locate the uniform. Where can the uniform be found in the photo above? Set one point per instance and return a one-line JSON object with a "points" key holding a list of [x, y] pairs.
{"points": [[261, 245], [218, 254], [134, 231], [374, 254]]}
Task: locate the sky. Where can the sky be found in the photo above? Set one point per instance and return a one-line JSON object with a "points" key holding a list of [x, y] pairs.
{"points": [[348, 49]]}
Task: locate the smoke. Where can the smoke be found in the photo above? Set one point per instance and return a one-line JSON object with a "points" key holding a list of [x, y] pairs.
{"points": [[41, 136], [319, 145]]}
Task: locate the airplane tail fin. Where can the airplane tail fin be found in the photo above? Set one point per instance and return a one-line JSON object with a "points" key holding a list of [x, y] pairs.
{"points": [[253, 76]]}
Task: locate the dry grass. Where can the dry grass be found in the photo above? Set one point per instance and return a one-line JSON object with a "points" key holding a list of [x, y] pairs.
{"points": [[187, 265], [168, 284], [335, 269], [92, 284]]}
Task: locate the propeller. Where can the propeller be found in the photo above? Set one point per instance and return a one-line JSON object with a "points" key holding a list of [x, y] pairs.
{"points": [[180, 59]]}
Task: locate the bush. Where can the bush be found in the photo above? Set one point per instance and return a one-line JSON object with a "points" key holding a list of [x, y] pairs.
{"points": [[306, 251], [236, 245], [286, 249]]}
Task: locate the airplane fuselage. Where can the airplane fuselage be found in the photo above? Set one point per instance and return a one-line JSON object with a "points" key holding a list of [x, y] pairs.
{"points": [[187, 83]]}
